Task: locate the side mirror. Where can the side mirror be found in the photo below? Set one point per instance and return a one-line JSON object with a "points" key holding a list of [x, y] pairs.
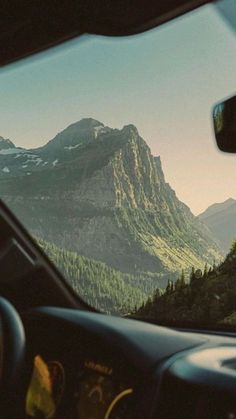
{"points": [[224, 120]]}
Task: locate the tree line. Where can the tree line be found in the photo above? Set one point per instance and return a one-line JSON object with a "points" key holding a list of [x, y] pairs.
{"points": [[205, 297], [95, 282]]}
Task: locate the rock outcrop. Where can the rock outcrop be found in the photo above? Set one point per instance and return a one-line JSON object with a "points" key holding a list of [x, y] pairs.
{"points": [[100, 192]]}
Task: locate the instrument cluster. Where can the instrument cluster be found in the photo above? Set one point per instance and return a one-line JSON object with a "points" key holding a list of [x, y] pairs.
{"points": [[101, 396], [98, 393]]}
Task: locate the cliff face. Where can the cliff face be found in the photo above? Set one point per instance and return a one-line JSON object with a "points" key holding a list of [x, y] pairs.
{"points": [[100, 192]]}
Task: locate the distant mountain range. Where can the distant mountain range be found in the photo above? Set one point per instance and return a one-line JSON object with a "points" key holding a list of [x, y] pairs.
{"points": [[221, 220], [99, 192]]}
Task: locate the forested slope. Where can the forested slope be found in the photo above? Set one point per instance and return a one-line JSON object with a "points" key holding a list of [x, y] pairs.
{"points": [[207, 298], [98, 284]]}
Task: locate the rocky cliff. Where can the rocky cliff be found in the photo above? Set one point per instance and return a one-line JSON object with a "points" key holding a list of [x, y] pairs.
{"points": [[100, 192]]}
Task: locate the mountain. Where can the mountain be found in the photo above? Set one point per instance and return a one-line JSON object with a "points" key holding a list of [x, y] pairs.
{"points": [[66, 146], [99, 192], [75, 135], [221, 220], [14, 160], [6, 144]]}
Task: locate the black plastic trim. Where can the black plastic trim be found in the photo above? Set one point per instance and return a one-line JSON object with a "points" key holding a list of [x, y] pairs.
{"points": [[28, 27]]}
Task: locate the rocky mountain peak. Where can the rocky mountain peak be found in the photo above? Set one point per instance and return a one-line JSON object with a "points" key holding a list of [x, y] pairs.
{"points": [[87, 123], [157, 160], [106, 193], [5, 143], [130, 129], [132, 137], [77, 134]]}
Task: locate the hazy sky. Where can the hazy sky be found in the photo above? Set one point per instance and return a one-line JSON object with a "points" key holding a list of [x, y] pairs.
{"points": [[164, 81]]}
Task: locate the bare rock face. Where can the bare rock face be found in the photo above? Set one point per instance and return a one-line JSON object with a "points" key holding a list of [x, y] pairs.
{"points": [[100, 192], [5, 143]]}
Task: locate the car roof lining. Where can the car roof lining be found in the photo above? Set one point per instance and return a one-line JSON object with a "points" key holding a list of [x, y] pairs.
{"points": [[28, 27]]}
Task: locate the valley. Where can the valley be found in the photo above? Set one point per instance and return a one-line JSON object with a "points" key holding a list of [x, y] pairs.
{"points": [[100, 194]]}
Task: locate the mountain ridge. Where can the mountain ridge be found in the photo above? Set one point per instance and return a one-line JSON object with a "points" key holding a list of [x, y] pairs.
{"points": [[83, 131], [5, 143], [216, 207], [105, 198], [221, 219]]}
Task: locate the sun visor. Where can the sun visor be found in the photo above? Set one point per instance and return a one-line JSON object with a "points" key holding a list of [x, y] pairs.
{"points": [[28, 27]]}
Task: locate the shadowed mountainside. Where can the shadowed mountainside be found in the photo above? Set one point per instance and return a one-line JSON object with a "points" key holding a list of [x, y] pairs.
{"points": [[99, 192], [206, 299], [221, 220]]}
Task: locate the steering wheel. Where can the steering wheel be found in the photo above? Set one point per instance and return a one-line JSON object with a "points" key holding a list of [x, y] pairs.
{"points": [[12, 361]]}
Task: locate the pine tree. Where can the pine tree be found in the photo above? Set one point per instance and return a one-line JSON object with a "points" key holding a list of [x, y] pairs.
{"points": [[233, 246], [157, 293], [214, 267], [205, 272], [182, 279], [192, 275], [178, 284], [168, 287]]}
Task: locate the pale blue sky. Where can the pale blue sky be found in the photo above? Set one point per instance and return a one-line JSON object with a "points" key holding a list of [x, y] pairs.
{"points": [[164, 81]]}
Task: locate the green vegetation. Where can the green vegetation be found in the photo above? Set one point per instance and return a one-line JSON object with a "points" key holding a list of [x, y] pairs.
{"points": [[117, 227], [233, 247], [99, 285], [206, 298], [108, 200]]}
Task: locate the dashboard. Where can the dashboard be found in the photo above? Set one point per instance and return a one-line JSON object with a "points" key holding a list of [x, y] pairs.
{"points": [[96, 393], [93, 366], [81, 368], [72, 363]]}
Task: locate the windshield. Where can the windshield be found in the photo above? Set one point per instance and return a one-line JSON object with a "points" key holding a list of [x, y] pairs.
{"points": [[107, 156]]}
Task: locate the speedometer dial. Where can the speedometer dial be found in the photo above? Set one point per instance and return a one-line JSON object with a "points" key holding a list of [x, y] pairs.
{"points": [[102, 397], [95, 395], [119, 406]]}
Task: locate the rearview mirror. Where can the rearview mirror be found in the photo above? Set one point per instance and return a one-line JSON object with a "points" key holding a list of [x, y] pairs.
{"points": [[224, 120]]}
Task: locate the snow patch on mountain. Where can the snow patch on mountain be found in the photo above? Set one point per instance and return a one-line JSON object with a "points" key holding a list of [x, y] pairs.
{"points": [[28, 161], [101, 130], [31, 156], [71, 147], [97, 130], [6, 170], [55, 162], [38, 160], [7, 151]]}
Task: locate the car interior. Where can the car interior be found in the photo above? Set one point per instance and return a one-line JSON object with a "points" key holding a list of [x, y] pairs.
{"points": [[61, 357]]}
